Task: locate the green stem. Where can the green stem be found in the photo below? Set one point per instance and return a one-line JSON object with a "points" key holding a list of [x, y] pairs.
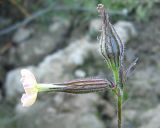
{"points": [[120, 111], [116, 76], [49, 87], [119, 96]]}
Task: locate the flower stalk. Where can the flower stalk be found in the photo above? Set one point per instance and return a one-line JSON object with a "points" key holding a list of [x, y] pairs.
{"points": [[112, 49]]}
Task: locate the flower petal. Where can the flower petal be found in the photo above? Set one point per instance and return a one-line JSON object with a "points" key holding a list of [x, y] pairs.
{"points": [[29, 81], [28, 100], [28, 78]]}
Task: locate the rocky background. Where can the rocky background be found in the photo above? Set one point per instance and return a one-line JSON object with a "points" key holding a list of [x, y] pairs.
{"points": [[64, 48]]}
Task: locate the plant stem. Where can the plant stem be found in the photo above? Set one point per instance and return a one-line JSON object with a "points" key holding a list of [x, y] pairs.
{"points": [[119, 96], [119, 111]]}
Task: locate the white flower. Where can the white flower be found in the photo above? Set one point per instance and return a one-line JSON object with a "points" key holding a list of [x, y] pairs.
{"points": [[30, 86]]}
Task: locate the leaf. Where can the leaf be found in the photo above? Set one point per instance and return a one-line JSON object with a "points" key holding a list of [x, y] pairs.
{"points": [[128, 71], [125, 96]]}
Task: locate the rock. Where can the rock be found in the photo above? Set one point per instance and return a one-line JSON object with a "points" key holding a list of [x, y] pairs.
{"points": [[150, 119], [13, 87], [58, 66], [12, 84], [94, 28], [125, 12], [80, 73], [107, 111], [76, 111], [125, 30], [58, 25], [34, 49], [22, 34], [95, 25], [144, 85], [130, 114]]}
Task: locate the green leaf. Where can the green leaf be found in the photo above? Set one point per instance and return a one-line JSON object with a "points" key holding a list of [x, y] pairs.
{"points": [[125, 96]]}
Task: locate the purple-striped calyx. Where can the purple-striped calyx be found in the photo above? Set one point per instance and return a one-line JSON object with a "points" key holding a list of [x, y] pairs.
{"points": [[112, 49]]}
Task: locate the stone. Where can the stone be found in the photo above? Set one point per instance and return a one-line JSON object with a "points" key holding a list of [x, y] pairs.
{"points": [[80, 73], [144, 84], [34, 49], [22, 34], [75, 111], [57, 66], [150, 118], [13, 85], [95, 25], [125, 30], [58, 25], [125, 12], [130, 114], [106, 109]]}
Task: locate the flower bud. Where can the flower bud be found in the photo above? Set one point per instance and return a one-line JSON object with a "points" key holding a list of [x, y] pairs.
{"points": [[111, 46]]}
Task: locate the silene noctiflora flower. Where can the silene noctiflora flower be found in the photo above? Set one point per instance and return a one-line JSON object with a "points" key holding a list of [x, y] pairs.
{"points": [[32, 88], [85, 85]]}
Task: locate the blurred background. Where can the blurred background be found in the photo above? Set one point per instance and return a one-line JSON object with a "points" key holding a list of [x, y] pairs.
{"points": [[57, 41]]}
